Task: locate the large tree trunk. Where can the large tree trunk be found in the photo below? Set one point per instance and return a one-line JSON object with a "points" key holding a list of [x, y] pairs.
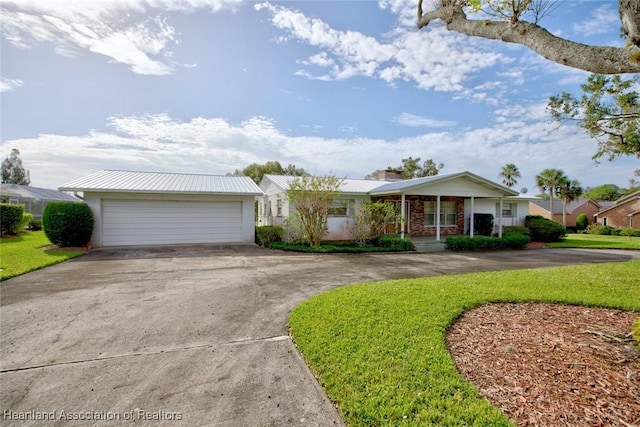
{"points": [[595, 59]]}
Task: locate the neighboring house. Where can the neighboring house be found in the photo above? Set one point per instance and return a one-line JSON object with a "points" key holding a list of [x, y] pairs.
{"points": [[431, 206], [34, 199], [588, 207], [624, 213], [150, 208]]}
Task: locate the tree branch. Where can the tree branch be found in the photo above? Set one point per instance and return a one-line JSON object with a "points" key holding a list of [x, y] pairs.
{"points": [[595, 59]]}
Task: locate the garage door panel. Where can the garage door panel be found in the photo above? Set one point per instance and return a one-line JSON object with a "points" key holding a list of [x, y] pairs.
{"points": [[140, 222]]}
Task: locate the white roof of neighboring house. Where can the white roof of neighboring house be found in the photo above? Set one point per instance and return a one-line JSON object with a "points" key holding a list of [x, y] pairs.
{"points": [[407, 185], [26, 192], [353, 186], [161, 182]]}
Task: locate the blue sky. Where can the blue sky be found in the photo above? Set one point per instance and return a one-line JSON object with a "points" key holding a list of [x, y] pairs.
{"points": [[342, 87]]}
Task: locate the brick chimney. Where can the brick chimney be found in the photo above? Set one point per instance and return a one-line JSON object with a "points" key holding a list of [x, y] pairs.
{"points": [[389, 175]]}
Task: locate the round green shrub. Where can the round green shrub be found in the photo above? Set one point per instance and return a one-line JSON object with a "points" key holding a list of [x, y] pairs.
{"points": [[10, 217], [26, 219], [267, 234], [544, 230], [582, 222], [67, 223]]}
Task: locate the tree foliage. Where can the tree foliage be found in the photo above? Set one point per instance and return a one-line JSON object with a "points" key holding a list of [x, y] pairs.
{"points": [[311, 196], [256, 171], [12, 170], [509, 174], [608, 111], [371, 220], [607, 192], [550, 181], [568, 191], [517, 22], [411, 168]]}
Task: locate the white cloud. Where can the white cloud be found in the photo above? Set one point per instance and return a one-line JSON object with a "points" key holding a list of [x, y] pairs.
{"points": [[413, 120], [107, 27], [433, 59], [601, 21], [216, 146], [7, 85]]}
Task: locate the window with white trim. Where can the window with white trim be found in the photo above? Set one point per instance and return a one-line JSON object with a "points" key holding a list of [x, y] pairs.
{"points": [[342, 207], [508, 210], [448, 214]]}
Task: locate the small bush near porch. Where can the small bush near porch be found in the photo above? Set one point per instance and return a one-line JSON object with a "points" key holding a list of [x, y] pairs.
{"points": [[483, 243]]}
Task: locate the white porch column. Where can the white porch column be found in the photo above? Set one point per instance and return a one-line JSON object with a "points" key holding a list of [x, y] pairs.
{"points": [[471, 230], [403, 214], [500, 219], [438, 218]]}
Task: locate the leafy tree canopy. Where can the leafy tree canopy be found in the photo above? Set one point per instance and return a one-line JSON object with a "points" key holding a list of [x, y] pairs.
{"points": [[609, 192], [411, 168], [12, 170], [517, 22], [256, 171], [608, 111]]}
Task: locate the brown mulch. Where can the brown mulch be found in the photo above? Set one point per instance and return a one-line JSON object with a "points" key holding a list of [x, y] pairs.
{"points": [[551, 364]]}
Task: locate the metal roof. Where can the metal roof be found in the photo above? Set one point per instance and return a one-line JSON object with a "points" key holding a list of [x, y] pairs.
{"points": [[162, 182], [353, 186], [26, 192], [407, 185]]}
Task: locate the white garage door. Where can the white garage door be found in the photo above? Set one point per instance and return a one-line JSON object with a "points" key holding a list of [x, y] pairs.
{"points": [[148, 222]]}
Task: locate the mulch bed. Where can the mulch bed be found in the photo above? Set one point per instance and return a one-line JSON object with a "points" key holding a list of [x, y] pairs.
{"points": [[551, 364]]}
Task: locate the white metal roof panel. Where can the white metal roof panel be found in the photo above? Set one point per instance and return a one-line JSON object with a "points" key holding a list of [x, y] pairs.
{"points": [[27, 192], [353, 186], [162, 182]]}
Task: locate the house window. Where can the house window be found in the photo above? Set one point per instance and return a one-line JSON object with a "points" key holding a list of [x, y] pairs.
{"points": [[448, 213], [279, 206], [342, 207], [508, 210]]}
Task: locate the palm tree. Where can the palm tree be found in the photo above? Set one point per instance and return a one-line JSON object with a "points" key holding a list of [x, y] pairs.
{"points": [[550, 180], [569, 191], [509, 175]]}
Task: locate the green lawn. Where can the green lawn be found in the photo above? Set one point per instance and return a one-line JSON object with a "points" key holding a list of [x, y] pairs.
{"points": [[379, 351], [595, 241], [22, 254]]}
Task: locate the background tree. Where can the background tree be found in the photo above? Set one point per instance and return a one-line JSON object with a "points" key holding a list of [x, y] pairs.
{"points": [[311, 196], [608, 111], [12, 170], [568, 191], [517, 22], [607, 192], [256, 171], [509, 175], [411, 168], [549, 181]]}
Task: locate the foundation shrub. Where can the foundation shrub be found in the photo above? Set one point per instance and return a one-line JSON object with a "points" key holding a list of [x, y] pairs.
{"points": [[267, 234], [544, 230], [67, 224], [10, 217]]}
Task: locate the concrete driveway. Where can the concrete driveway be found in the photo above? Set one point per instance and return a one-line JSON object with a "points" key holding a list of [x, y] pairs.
{"points": [[190, 335]]}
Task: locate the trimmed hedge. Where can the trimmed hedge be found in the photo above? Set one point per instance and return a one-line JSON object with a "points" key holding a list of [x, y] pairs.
{"points": [[516, 229], [544, 230], [582, 222], [10, 217], [483, 243], [67, 223], [395, 242], [267, 234], [631, 232], [26, 220]]}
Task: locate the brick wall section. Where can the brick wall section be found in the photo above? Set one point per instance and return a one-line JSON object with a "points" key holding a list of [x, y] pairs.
{"points": [[617, 217], [416, 215]]}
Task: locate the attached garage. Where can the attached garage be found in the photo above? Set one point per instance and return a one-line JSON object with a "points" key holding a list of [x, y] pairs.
{"points": [[149, 208]]}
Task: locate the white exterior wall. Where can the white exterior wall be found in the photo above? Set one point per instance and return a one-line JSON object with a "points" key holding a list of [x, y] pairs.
{"points": [[95, 202], [491, 206]]}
